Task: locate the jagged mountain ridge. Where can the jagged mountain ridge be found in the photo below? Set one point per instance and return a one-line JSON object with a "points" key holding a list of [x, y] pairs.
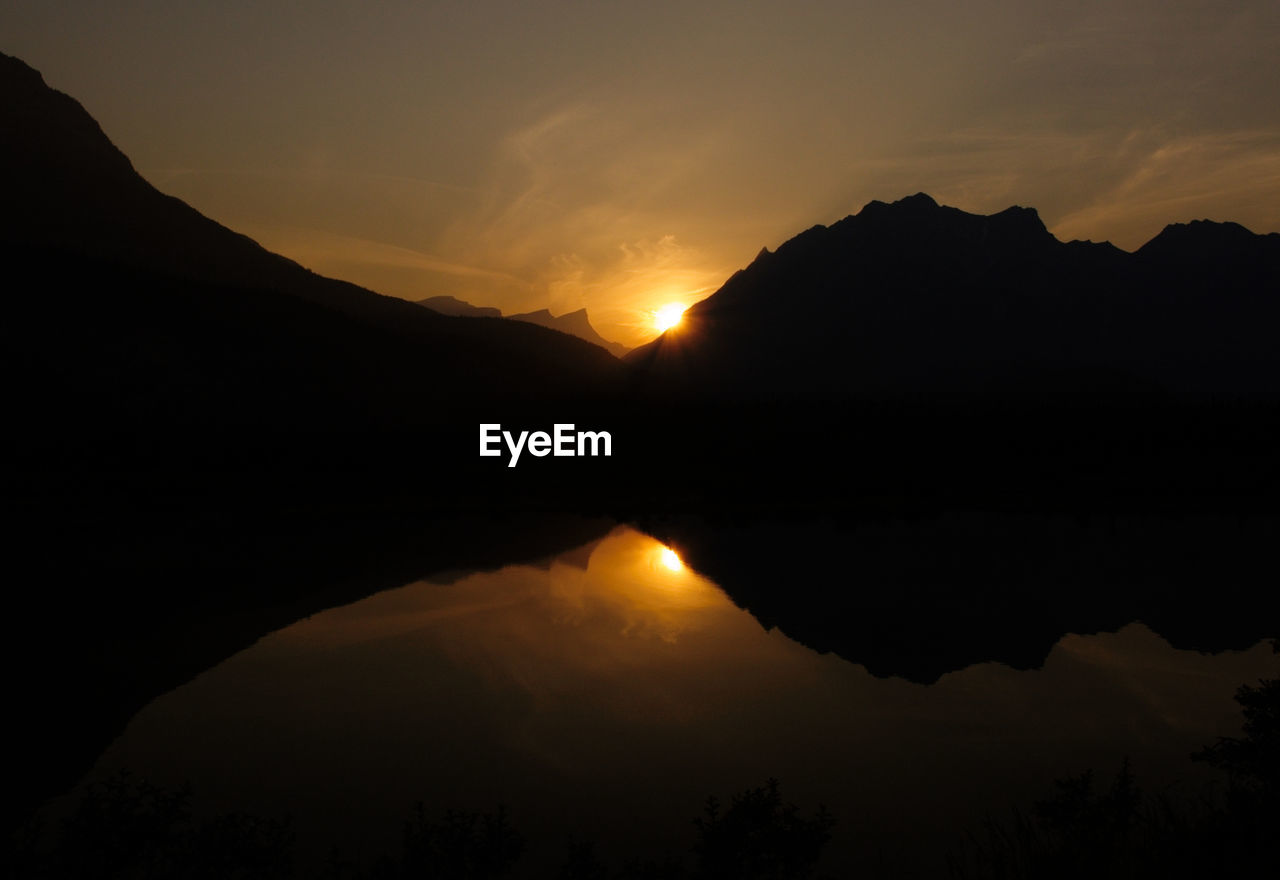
{"points": [[573, 323], [913, 296]]}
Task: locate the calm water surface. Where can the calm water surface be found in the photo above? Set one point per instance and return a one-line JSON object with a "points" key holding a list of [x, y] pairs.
{"points": [[608, 691]]}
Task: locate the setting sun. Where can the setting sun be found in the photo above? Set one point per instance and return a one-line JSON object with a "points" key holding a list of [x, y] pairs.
{"points": [[668, 316], [671, 559]]}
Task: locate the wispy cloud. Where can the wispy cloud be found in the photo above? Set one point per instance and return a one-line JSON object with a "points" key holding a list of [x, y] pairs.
{"points": [[1225, 176]]}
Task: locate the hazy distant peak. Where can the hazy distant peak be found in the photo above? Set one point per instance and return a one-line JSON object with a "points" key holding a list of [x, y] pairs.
{"points": [[579, 322], [451, 305], [575, 324]]}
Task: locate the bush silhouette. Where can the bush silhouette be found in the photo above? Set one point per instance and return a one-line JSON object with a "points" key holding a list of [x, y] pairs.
{"points": [[759, 836], [124, 827], [462, 846], [1252, 761]]}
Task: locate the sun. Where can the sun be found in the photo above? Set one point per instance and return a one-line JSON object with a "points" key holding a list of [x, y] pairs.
{"points": [[671, 559], [668, 316]]}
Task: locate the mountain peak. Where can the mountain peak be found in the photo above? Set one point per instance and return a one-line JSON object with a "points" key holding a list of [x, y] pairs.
{"points": [[1202, 230], [910, 204], [1019, 221], [575, 324], [451, 305], [15, 69], [919, 200], [1019, 214], [1206, 240], [52, 143]]}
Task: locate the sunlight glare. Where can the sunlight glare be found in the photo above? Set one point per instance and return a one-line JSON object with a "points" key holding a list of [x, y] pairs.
{"points": [[668, 316]]}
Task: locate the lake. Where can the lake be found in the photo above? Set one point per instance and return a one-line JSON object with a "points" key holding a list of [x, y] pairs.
{"points": [[604, 692]]}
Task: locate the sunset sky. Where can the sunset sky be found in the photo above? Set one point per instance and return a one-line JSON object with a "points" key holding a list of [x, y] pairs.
{"points": [[620, 156]]}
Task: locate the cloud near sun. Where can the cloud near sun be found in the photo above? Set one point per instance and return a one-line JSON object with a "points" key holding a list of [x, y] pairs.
{"points": [[576, 206]]}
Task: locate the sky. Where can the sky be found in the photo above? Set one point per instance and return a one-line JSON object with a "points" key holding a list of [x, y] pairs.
{"points": [[621, 156]]}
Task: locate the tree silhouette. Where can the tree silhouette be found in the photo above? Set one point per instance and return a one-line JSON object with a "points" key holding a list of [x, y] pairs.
{"points": [[462, 846], [1252, 761], [760, 836]]}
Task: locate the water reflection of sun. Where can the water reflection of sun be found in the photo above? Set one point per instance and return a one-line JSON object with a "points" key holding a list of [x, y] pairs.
{"points": [[639, 584]]}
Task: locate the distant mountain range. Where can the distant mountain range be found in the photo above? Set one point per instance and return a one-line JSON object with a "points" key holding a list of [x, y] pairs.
{"points": [[915, 297], [574, 323], [451, 305]]}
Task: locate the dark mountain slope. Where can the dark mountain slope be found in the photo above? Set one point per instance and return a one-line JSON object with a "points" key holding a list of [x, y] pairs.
{"points": [[913, 296], [133, 321], [69, 188]]}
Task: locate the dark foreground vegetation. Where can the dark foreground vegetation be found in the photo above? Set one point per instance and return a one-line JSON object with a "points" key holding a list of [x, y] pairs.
{"points": [[125, 828], [1118, 831]]}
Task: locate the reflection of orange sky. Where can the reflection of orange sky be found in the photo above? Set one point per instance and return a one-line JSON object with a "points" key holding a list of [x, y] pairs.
{"points": [[629, 587], [633, 585], [608, 676]]}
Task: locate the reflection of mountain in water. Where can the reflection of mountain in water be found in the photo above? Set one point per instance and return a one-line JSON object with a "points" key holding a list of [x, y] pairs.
{"points": [[122, 608], [921, 597]]}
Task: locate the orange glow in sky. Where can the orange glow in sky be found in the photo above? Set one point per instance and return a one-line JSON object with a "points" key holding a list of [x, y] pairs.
{"points": [[559, 184]]}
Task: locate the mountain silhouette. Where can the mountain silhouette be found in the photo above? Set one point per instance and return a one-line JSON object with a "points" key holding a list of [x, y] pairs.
{"points": [[143, 338], [138, 329], [916, 297], [575, 324], [451, 305]]}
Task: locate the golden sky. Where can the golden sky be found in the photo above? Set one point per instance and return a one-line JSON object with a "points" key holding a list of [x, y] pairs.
{"points": [[619, 156]]}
